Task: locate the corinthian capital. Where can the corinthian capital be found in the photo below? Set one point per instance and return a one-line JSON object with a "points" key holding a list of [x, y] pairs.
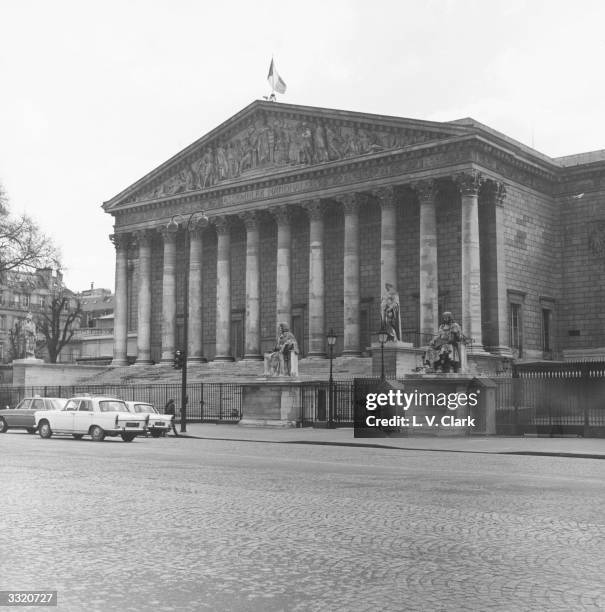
{"points": [[143, 237], [120, 241], [282, 214], [222, 224], [469, 182], [250, 219], [314, 209], [169, 232], [426, 190], [350, 202], [385, 195], [495, 191]]}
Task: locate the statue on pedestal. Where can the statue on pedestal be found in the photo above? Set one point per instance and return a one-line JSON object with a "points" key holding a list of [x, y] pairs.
{"points": [[444, 353], [29, 335], [283, 361], [390, 315]]}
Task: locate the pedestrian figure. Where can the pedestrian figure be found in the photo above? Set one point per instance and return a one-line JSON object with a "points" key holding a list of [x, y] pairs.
{"points": [[171, 409]]}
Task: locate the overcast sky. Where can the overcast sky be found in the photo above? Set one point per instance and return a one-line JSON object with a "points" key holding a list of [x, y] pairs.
{"points": [[96, 94]]}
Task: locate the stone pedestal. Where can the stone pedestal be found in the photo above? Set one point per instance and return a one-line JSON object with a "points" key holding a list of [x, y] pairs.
{"points": [[400, 358], [484, 413], [274, 403]]}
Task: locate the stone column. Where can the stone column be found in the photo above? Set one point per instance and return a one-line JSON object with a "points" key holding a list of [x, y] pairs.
{"points": [[351, 291], [283, 284], [316, 280], [143, 238], [169, 295], [496, 272], [223, 290], [120, 321], [252, 332], [388, 235], [429, 288], [469, 183], [195, 351]]}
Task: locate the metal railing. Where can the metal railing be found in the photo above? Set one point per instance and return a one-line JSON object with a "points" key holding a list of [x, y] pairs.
{"points": [[555, 403], [93, 331], [213, 402]]}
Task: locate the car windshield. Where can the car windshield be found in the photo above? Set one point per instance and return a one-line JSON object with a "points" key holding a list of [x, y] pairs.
{"points": [[112, 406], [58, 403], [144, 408]]}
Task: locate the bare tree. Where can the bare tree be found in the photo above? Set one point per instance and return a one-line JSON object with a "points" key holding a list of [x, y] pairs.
{"points": [[56, 323], [22, 244]]}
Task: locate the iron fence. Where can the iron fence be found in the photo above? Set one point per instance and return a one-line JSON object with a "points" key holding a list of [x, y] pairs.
{"points": [[567, 400], [552, 403], [212, 402], [315, 404]]}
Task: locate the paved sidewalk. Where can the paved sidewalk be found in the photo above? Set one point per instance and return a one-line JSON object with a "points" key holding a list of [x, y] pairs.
{"points": [[572, 447]]}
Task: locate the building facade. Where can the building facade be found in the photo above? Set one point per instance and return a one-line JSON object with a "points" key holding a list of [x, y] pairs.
{"points": [[312, 212], [28, 291]]}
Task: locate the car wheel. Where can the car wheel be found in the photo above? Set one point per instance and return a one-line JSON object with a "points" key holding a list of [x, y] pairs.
{"points": [[3, 425], [78, 436], [128, 437], [31, 430], [155, 434], [44, 429], [97, 434]]}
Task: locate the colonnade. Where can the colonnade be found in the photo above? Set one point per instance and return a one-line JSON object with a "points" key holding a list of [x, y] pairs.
{"points": [[468, 184]]}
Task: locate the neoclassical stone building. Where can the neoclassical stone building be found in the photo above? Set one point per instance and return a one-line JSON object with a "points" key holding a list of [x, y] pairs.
{"points": [[313, 211]]}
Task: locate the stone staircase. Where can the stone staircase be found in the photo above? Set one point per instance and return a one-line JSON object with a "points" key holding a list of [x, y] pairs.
{"points": [[344, 368]]}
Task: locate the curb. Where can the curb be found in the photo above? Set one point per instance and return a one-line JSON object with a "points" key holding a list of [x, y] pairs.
{"points": [[401, 448]]}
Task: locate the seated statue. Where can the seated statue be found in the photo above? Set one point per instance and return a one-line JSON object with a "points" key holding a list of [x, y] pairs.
{"points": [[283, 361], [444, 353]]}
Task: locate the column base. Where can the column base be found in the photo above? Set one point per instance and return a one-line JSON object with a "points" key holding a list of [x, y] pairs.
{"points": [[253, 357], [119, 361], [476, 349], [225, 358], [501, 351], [143, 362], [196, 360]]}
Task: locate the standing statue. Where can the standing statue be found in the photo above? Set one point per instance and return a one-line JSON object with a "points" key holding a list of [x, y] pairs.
{"points": [[283, 361], [29, 334], [390, 315], [444, 353]]}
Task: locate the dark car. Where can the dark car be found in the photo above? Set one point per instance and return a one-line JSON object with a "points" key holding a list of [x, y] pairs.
{"points": [[22, 416]]}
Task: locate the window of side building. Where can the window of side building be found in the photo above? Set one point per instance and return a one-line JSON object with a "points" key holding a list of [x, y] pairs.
{"points": [[547, 326], [515, 322]]}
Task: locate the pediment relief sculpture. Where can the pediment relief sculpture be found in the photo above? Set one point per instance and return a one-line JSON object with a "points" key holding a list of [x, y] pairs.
{"points": [[278, 142]]}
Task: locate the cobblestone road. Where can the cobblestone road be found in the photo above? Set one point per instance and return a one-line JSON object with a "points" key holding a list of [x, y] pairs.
{"points": [[174, 524]]}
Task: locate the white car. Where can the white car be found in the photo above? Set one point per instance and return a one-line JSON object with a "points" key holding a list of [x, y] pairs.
{"points": [[158, 424], [96, 417]]}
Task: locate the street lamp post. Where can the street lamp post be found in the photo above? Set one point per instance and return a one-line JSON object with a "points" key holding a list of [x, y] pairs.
{"points": [[331, 336], [201, 218], [382, 338]]}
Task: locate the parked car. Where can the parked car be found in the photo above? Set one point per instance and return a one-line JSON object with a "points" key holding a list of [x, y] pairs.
{"points": [[158, 424], [22, 415], [96, 417]]}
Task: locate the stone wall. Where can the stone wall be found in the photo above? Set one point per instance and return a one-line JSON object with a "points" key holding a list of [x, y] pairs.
{"points": [[51, 374], [582, 311], [533, 260]]}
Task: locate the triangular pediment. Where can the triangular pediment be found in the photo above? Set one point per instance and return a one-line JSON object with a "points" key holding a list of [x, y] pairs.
{"points": [[268, 137]]}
